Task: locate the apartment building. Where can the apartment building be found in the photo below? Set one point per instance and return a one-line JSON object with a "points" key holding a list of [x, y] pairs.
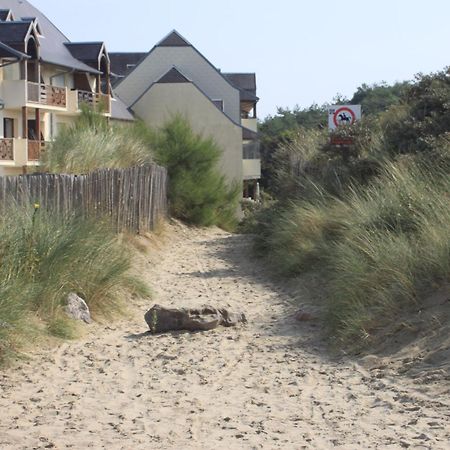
{"points": [[44, 80], [175, 78]]}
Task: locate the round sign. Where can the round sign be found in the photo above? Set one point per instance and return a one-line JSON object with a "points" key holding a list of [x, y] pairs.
{"points": [[344, 116]]}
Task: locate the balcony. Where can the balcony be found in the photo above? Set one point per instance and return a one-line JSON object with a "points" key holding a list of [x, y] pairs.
{"points": [[94, 100], [35, 149], [250, 123], [20, 93], [44, 94], [19, 152], [251, 163], [6, 149]]}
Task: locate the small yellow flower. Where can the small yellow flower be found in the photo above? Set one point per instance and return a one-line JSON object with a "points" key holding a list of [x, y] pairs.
{"points": [[37, 206]]}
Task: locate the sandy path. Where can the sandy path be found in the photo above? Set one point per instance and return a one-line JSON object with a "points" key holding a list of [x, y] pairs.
{"points": [[267, 385]]}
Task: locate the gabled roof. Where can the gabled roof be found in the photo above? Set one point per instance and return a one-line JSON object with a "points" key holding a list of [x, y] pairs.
{"points": [[13, 33], [34, 21], [52, 48], [7, 52], [85, 51], [5, 14], [177, 74], [173, 39], [173, 76]]}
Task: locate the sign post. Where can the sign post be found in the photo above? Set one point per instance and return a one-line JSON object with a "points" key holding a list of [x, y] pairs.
{"points": [[343, 115], [340, 116]]}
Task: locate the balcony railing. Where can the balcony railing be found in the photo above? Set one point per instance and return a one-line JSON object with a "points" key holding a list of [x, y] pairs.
{"points": [[6, 149], [35, 149], [252, 150], [94, 100], [45, 94]]}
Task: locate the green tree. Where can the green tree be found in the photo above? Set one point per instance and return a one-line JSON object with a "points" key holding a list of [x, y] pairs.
{"points": [[198, 193], [379, 97]]}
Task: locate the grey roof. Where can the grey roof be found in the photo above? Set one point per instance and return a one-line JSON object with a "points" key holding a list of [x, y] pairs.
{"points": [[121, 62], [6, 52], [173, 39], [173, 76], [4, 14], [247, 96], [249, 135], [193, 84], [52, 48], [85, 51], [246, 83], [119, 111], [14, 33]]}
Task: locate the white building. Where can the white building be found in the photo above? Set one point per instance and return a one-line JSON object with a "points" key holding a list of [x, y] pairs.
{"points": [[175, 78]]}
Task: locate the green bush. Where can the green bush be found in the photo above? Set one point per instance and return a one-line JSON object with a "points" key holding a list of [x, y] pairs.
{"points": [[44, 257], [198, 193]]}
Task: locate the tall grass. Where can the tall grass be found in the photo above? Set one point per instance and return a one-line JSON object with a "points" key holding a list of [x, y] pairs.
{"points": [[378, 248], [92, 143], [43, 258]]}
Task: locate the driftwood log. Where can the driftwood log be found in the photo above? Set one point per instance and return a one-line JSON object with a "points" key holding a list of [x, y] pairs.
{"points": [[161, 320]]}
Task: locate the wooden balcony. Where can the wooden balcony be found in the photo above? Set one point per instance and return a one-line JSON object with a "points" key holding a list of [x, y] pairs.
{"points": [[95, 100], [35, 149], [6, 149], [44, 94]]}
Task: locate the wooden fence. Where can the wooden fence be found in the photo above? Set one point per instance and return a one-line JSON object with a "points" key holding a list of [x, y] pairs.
{"points": [[135, 199]]}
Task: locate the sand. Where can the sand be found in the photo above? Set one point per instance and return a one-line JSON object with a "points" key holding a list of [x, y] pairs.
{"points": [[270, 384]]}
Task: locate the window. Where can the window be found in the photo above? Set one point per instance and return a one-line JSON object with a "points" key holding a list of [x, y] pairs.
{"points": [[218, 103], [8, 127]]}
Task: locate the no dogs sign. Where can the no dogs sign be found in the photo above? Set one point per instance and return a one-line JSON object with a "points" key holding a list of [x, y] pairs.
{"points": [[341, 115]]}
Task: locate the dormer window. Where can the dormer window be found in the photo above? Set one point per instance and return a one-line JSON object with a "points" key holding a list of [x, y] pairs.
{"points": [[35, 23], [6, 15], [219, 104]]}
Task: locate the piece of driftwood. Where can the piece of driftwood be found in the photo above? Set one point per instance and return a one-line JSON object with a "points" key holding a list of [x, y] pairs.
{"points": [[161, 319]]}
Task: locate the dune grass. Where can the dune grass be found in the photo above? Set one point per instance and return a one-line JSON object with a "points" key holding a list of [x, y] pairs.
{"points": [[43, 258], [378, 247], [92, 143]]}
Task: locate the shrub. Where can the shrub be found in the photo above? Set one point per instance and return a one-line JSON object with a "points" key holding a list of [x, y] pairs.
{"points": [[198, 193]]}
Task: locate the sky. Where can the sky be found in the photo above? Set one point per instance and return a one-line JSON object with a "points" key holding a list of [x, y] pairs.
{"points": [[302, 52]]}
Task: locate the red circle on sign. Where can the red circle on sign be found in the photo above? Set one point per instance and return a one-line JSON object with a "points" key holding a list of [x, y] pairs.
{"points": [[341, 110]]}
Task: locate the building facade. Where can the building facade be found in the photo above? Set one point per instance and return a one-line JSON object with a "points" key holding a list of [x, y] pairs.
{"points": [[44, 80], [175, 78]]}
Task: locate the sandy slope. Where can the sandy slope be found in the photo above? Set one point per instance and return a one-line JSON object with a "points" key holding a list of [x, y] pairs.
{"points": [[267, 385]]}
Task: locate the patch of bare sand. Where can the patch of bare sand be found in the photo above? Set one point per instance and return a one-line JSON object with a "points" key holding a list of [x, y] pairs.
{"points": [[270, 384]]}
